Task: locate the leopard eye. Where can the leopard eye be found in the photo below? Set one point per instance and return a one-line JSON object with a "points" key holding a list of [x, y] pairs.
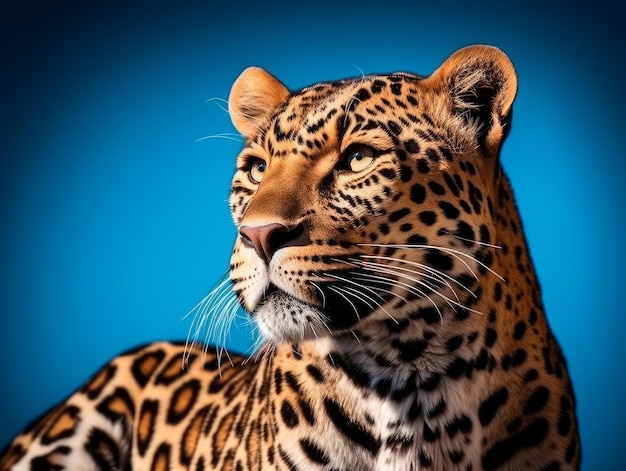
{"points": [[358, 157], [257, 170]]}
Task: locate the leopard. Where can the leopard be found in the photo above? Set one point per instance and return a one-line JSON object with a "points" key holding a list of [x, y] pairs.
{"points": [[381, 255]]}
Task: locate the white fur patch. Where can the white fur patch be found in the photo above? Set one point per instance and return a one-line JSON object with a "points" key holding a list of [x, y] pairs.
{"points": [[284, 318]]}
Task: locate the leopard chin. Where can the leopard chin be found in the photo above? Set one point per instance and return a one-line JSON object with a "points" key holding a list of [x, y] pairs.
{"points": [[282, 317]]}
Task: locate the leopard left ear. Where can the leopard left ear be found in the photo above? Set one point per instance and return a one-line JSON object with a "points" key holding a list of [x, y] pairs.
{"points": [[253, 98], [482, 84]]}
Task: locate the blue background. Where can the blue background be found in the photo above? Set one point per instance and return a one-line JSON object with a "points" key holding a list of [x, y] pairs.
{"points": [[114, 220]]}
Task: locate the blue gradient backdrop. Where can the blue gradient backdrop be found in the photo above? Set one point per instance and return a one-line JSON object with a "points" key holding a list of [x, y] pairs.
{"points": [[113, 210]]}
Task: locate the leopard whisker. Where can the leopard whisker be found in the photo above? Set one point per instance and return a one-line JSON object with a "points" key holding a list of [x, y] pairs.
{"points": [[218, 102], [474, 241], [265, 352], [376, 303], [312, 327], [408, 288], [225, 308], [373, 289], [360, 70], [348, 106], [218, 99], [258, 343], [421, 294], [451, 302], [428, 283], [365, 277], [432, 274], [202, 312], [360, 296], [458, 257], [340, 278], [321, 292], [380, 268], [324, 324], [336, 290], [331, 360], [268, 354], [214, 315], [230, 360], [438, 274], [226, 136], [213, 293], [354, 334], [361, 264], [453, 252], [352, 99], [250, 118]]}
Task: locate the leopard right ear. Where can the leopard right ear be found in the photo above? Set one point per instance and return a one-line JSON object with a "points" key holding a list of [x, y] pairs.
{"points": [[481, 84], [254, 96]]}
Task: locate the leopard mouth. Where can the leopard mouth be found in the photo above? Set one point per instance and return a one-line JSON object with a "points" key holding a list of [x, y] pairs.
{"points": [[271, 290], [275, 296]]}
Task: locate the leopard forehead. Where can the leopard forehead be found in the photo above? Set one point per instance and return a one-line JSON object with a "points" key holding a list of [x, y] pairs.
{"points": [[374, 108], [307, 111]]}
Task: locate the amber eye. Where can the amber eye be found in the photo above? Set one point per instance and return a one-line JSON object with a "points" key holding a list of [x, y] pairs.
{"points": [[358, 157], [257, 170]]}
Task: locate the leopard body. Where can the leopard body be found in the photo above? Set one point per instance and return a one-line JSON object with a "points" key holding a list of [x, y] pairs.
{"points": [[381, 254]]}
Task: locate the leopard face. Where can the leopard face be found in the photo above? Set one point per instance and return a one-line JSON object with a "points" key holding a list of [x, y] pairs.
{"points": [[367, 200]]}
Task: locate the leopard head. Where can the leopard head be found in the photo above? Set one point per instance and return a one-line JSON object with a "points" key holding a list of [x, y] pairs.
{"points": [[367, 200]]}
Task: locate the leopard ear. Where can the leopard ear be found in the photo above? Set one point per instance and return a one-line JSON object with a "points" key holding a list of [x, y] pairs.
{"points": [[253, 97], [482, 83]]}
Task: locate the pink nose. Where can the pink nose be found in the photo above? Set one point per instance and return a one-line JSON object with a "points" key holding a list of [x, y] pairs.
{"points": [[267, 239]]}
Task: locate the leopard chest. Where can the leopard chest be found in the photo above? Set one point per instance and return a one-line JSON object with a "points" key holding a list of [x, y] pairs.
{"points": [[343, 416]]}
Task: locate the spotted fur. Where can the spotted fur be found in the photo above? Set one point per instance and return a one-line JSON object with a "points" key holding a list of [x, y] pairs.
{"points": [[381, 254]]}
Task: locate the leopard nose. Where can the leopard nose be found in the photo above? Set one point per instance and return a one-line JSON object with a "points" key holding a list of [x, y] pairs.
{"points": [[269, 238]]}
